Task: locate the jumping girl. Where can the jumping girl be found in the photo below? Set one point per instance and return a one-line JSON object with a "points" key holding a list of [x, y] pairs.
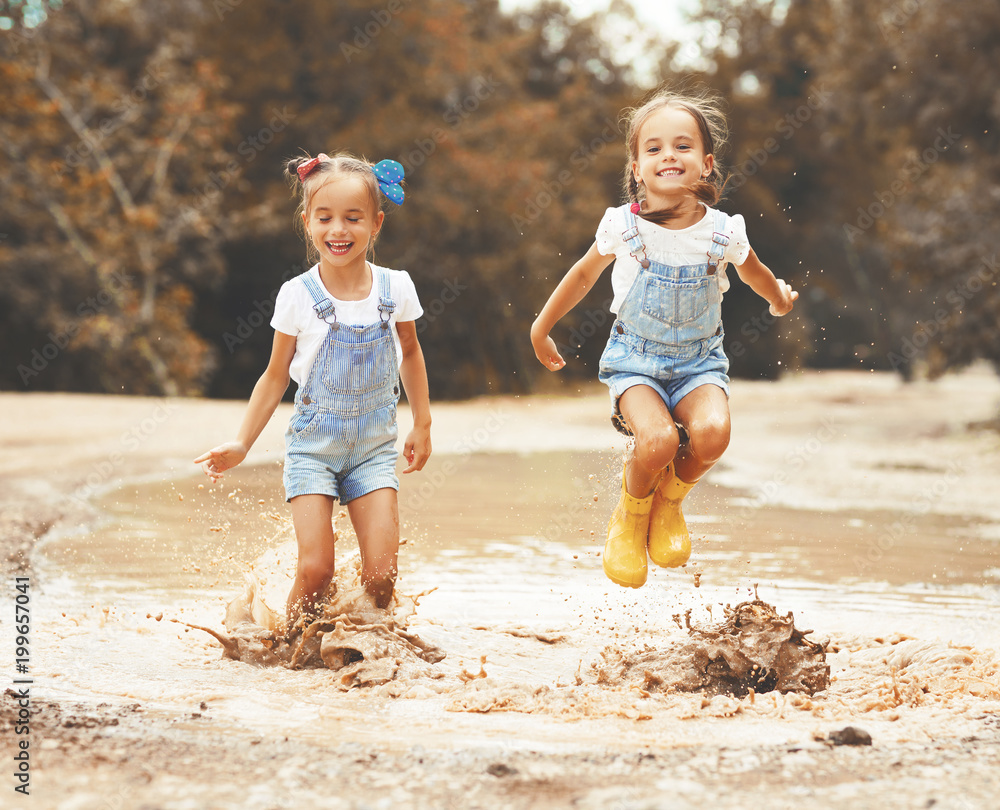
{"points": [[345, 332], [664, 363]]}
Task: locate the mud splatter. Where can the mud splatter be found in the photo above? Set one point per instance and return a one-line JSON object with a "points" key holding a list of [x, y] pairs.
{"points": [[364, 645], [903, 672], [544, 636], [754, 649]]}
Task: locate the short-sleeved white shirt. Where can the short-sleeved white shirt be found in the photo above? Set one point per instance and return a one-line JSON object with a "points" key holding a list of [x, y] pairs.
{"points": [[674, 248], [294, 314]]}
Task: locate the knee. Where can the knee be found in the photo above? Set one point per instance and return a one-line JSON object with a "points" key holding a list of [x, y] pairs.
{"points": [[710, 438], [315, 572], [656, 448]]}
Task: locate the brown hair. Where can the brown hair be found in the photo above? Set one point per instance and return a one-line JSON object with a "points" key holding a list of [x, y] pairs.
{"points": [[706, 108], [328, 168]]}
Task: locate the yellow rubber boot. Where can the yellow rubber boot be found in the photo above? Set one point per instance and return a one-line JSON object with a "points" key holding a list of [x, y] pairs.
{"points": [[625, 550], [669, 540]]}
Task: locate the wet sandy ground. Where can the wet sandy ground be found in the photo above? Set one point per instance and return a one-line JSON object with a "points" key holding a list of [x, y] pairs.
{"points": [[120, 757], [816, 457]]}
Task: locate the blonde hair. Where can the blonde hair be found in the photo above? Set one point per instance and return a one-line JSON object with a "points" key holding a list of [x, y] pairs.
{"points": [[706, 109], [329, 167]]}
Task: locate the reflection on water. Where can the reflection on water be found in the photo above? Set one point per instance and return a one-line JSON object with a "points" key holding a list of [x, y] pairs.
{"points": [[508, 546]]}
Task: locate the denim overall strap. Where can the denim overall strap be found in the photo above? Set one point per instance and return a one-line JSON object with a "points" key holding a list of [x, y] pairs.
{"points": [[324, 306], [720, 241], [632, 239], [386, 306]]}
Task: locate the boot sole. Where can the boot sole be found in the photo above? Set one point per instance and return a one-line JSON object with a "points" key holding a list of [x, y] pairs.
{"points": [[623, 583], [672, 563]]}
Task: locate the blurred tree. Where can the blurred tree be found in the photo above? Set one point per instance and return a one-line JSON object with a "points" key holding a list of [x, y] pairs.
{"points": [[866, 145], [109, 129], [943, 90], [147, 228]]}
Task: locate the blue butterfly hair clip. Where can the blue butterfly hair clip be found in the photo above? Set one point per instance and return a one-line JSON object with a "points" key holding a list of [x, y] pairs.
{"points": [[390, 175]]}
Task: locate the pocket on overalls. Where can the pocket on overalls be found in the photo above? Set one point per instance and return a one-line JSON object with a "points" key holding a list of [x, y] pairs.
{"points": [[676, 303], [376, 371], [303, 423], [356, 369], [615, 356], [387, 425]]}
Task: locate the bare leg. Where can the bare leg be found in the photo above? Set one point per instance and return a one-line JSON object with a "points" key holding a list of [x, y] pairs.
{"points": [[375, 518], [656, 438], [312, 516], [705, 414]]}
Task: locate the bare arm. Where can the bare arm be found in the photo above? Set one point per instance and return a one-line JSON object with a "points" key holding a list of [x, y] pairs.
{"points": [[775, 291], [267, 393], [568, 293], [413, 374]]}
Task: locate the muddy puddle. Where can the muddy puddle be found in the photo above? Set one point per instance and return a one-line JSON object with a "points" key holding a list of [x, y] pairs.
{"points": [[502, 612]]}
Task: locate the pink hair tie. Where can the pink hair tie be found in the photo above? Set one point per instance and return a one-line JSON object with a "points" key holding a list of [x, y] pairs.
{"points": [[306, 168], [635, 208]]}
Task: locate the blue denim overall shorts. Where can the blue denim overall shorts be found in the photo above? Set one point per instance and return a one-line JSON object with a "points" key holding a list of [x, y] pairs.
{"points": [[668, 334], [341, 441]]}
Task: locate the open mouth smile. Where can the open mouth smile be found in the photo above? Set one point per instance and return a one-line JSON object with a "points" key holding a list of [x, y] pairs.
{"points": [[339, 248]]}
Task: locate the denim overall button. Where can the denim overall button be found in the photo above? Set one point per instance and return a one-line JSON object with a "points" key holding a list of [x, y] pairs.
{"points": [[306, 401], [620, 329]]}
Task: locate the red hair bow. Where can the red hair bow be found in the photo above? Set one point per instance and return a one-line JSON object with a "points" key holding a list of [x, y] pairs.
{"points": [[306, 168]]}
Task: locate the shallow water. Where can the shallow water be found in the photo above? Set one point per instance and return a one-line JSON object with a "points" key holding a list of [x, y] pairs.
{"points": [[507, 547]]}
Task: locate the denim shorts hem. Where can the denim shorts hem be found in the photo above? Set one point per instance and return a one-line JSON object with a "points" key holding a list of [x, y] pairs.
{"points": [[619, 384], [367, 487], [376, 472], [294, 492], [697, 381]]}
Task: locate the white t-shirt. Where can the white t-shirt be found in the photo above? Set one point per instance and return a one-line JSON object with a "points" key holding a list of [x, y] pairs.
{"points": [[294, 314], [674, 248]]}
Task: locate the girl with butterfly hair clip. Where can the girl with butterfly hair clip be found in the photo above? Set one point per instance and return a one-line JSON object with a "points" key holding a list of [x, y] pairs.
{"points": [[345, 332], [665, 363]]}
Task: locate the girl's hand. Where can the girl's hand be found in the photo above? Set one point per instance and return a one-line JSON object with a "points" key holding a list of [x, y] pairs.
{"points": [[546, 352], [784, 304], [219, 459], [417, 449]]}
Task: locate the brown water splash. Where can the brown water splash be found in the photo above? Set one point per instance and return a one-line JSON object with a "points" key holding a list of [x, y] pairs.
{"points": [[754, 649], [365, 645], [905, 673]]}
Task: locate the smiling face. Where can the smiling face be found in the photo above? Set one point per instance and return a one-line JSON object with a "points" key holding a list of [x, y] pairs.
{"points": [[670, 156], [342, 221]]}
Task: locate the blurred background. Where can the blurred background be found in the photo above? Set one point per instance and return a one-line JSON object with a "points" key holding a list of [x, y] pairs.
{"points": [[145, 227]]}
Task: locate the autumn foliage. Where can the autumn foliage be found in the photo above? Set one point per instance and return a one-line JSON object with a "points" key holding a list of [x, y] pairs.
{"points": [[146, 227]]}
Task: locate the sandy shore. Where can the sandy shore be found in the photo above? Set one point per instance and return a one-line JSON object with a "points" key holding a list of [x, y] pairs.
{"points": [[880, 440], [833, 441]]}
